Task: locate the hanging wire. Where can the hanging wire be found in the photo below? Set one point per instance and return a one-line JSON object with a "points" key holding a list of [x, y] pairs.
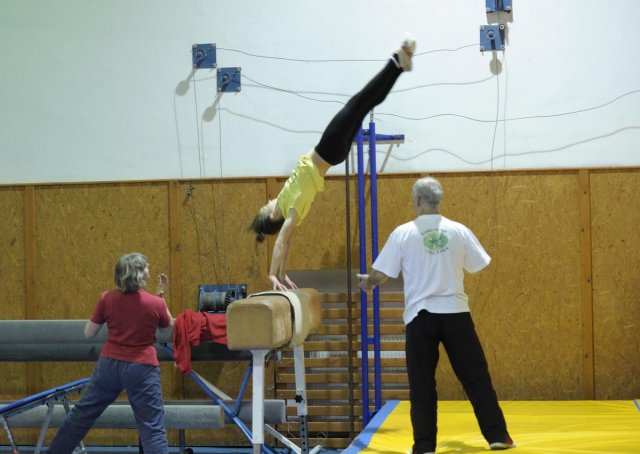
{"points": [[222, 199], [210, 233]]}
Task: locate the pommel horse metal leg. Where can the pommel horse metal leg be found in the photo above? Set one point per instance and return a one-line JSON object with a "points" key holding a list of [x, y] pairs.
{"points": [[259, 357], [257, 422], [301, 397]]}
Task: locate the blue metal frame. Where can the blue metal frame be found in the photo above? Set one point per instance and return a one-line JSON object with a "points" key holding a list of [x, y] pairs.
{"points": [[364, 335], [373, 176], [367, 340], [49, 398]]}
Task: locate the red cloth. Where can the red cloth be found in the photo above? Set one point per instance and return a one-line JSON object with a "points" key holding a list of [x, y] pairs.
{"points": [[132, 319], [192, 328]]}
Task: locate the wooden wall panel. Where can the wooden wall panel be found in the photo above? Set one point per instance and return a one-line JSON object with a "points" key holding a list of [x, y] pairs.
{"points": [[81, 231], [12, 257], [320, 242], [12, 284], [527, 305], [395, 207], [526, 300], [216, 248], [586, 285], [616, 283]]}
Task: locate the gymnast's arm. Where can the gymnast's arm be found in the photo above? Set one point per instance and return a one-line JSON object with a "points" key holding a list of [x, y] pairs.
{"points": [[91, 329], [278, 270]]}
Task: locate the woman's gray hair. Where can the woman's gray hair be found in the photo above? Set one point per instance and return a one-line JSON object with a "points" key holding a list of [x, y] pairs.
{"points": [[129, 275], [429, 190]]}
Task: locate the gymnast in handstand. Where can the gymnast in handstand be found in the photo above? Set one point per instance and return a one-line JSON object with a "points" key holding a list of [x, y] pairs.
{"points": [[287, 211]]}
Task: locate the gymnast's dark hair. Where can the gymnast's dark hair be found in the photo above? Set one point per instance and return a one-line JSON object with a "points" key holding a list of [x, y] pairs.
{"points": [[263, 225]]}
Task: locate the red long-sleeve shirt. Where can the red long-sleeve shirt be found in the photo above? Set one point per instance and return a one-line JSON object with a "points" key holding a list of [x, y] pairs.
{"points": [[192, 328]]}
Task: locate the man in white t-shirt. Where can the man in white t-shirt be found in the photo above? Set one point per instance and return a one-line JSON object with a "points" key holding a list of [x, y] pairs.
{"points": [[433, 253]]}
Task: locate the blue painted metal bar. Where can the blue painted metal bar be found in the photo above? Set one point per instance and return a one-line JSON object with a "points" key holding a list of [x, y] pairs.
{"points": [[243, 388], [377, 366], [386, 137], [42, 397], [48, 398], [364, 337]]}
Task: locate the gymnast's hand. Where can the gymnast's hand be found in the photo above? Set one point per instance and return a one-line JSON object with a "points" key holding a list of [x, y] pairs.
{"points": [[276, 284], [289, 282], [281, 285]]}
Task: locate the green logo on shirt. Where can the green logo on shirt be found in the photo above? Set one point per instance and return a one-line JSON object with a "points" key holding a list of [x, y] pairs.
{"points": [[435, 240]]}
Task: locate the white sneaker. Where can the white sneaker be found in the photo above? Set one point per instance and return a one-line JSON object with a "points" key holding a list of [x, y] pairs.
{"points": [[405, 54], [501, 445]]}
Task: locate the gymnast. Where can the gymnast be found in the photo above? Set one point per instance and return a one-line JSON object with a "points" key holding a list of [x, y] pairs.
{"points": [[128, 360], [287, 211]]}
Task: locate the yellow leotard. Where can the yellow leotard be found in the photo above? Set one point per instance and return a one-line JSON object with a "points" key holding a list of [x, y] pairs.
{"points": [[301, 188]]}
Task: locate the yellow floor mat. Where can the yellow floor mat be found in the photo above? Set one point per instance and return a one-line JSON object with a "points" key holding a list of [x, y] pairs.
{"points": [[537, 427]]}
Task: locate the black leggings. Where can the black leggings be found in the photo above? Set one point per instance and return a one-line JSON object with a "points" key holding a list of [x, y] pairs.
{"points": [[337, 138]]}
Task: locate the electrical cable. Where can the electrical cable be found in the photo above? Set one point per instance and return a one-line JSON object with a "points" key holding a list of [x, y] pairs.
{"points": [[222, 198], [215, 259]]}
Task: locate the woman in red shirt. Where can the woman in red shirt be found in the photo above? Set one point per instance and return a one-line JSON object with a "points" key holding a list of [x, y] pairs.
{"points": [[128, 360]]}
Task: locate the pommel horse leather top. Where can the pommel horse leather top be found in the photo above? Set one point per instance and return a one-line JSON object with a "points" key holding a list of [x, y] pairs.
{"points": [[272, 320]]}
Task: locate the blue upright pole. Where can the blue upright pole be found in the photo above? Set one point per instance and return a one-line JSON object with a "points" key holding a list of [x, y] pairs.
{"points": [[377, 366], [363, 269]]}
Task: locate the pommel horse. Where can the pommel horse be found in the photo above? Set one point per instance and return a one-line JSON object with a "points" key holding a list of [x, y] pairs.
{"points": [[269, 321]]}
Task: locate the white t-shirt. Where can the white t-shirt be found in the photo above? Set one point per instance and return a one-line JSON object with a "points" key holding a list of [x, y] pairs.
{"points": [[432, 252]]}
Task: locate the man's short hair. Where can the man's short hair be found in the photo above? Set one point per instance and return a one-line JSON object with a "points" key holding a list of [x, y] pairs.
{"points": [[429, 190]]}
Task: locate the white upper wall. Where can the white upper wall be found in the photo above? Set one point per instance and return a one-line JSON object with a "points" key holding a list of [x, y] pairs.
{"points": [[104, 90]]}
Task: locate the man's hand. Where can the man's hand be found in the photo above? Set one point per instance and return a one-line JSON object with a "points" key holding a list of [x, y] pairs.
{"points": [[368, 281], [363, 281]]}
